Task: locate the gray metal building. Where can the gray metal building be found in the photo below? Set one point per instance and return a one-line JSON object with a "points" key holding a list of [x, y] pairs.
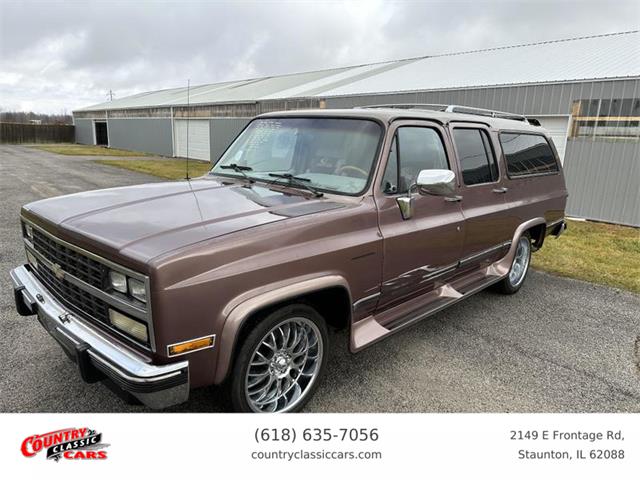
{"points": [[585, 91]]}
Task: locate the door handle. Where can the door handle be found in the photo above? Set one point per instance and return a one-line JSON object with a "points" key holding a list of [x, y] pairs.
{"points": [[500, 190], [455, 198]]}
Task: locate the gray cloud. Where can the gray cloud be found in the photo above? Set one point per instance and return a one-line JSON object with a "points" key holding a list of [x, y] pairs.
{"points": [[63, 55]]}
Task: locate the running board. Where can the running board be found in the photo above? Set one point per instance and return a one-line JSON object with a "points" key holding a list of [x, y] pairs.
{"points": [[376, 327]]}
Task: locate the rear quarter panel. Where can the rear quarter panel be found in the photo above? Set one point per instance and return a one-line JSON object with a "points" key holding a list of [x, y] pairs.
{"points": [[543, 195]]}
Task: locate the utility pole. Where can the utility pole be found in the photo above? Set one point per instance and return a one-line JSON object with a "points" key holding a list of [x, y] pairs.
{"points": [[188, 115], [111, 94]]}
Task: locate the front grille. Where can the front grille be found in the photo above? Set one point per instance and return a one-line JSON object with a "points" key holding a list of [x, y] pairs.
{"points": [[77, 266], [73, 297], [72, 262], [81, 267]]}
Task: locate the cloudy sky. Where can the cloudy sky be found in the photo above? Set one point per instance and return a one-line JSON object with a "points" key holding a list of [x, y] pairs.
{"points": [[59, 55]]}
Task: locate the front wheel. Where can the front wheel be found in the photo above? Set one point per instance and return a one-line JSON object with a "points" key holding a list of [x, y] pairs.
{"points": [[519, 267], [280, 362]]}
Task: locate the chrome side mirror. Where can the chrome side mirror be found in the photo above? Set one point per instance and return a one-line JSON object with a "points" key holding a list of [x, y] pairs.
{"points": [[436, 182], [430, 182]]}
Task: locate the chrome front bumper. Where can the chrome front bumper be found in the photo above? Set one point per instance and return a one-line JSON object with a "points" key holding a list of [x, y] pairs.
{"points": [[157, 386]]}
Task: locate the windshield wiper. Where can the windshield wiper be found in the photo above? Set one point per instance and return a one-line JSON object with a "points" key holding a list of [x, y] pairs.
{"points": [[298, 182], [240, 169]]}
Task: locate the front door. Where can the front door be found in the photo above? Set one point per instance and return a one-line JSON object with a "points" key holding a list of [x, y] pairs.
{"points": [[482, 188], [420, 252]]}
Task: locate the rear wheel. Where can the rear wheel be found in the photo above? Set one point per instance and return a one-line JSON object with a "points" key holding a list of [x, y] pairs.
{"points": [[280, 362], [519, 267]]}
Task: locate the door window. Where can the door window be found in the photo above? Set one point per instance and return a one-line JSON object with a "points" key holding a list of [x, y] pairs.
{"points": [[413, 149], [477, 162]]}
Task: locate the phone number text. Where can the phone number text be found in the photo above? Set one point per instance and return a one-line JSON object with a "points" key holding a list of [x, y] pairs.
{"points": [[291, 435]]}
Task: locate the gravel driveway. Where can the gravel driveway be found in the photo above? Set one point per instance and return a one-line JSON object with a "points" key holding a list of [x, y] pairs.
{"points": [[559, 345]]}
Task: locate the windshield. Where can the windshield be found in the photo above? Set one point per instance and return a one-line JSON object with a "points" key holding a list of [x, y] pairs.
{"points": [[325, 153]]}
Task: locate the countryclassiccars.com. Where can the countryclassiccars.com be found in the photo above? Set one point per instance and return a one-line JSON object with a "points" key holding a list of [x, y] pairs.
{"points": [[368, 219]]}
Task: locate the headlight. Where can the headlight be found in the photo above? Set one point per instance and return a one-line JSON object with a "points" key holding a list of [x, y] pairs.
{"points": [[133, 287], [118, 281], [129, 325], [137, 290]]}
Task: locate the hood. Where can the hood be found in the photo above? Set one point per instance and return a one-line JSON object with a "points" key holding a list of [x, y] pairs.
{"points": [[144, 221]]}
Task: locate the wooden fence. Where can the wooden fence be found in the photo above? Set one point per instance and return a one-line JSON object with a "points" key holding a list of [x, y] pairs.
{"points": [[30, 133]]}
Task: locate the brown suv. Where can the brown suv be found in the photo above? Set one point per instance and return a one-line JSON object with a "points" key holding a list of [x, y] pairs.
{"points": [[368, 219]]}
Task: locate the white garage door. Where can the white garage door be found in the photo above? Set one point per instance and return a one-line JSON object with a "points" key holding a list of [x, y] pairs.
{"points": [[198, 142], [557, 127]]}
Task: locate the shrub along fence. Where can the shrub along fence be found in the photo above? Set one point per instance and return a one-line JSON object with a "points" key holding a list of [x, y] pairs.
{"points": [[30, 133]]}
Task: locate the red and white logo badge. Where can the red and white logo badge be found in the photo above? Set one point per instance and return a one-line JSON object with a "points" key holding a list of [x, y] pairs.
{"points": [[69, 443]]}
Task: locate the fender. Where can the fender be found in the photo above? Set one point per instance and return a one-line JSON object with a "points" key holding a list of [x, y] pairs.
{"points": [[501, 267], [242, 307]]}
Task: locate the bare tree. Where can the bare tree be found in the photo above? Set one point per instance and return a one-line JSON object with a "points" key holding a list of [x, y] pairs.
{"points": [[31, 117]]}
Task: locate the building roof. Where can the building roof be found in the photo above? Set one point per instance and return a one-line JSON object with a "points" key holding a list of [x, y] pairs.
{"points": [[598, 57]]}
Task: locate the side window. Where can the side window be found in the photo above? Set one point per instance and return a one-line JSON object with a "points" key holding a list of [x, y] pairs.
{"points": [[527, 154], [477, 162], [413, 149]]}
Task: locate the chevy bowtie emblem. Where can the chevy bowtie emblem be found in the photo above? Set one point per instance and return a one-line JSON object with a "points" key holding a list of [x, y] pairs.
{"points": [[57, 271]]}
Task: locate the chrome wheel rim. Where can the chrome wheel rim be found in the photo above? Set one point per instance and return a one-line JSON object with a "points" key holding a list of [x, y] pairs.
{"points": [[284, 366], [520, 262]]}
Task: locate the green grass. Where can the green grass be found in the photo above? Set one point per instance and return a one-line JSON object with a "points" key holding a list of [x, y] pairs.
{"points": [[170, 169], [595, 252], [72, 149]]}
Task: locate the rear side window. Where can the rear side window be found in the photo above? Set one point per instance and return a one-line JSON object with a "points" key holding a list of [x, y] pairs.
{"points": [[475, 154], [527, 154]]}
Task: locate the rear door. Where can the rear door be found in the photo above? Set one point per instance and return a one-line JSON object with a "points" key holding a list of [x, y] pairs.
{"points": [[482, 188], [423, 251]]}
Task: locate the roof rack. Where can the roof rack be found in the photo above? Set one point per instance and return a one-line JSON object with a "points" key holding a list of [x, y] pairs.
{"points": [[452, 109]]}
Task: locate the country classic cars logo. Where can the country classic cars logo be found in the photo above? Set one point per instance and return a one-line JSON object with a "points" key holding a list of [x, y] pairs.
{"points": [[69, 443]]}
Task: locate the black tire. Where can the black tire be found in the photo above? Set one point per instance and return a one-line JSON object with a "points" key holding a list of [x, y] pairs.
{"points": [[507, 285], [237, 382]]}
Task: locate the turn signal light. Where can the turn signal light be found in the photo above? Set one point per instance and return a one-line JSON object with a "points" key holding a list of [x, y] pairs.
{"points": [[191, 345]]}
